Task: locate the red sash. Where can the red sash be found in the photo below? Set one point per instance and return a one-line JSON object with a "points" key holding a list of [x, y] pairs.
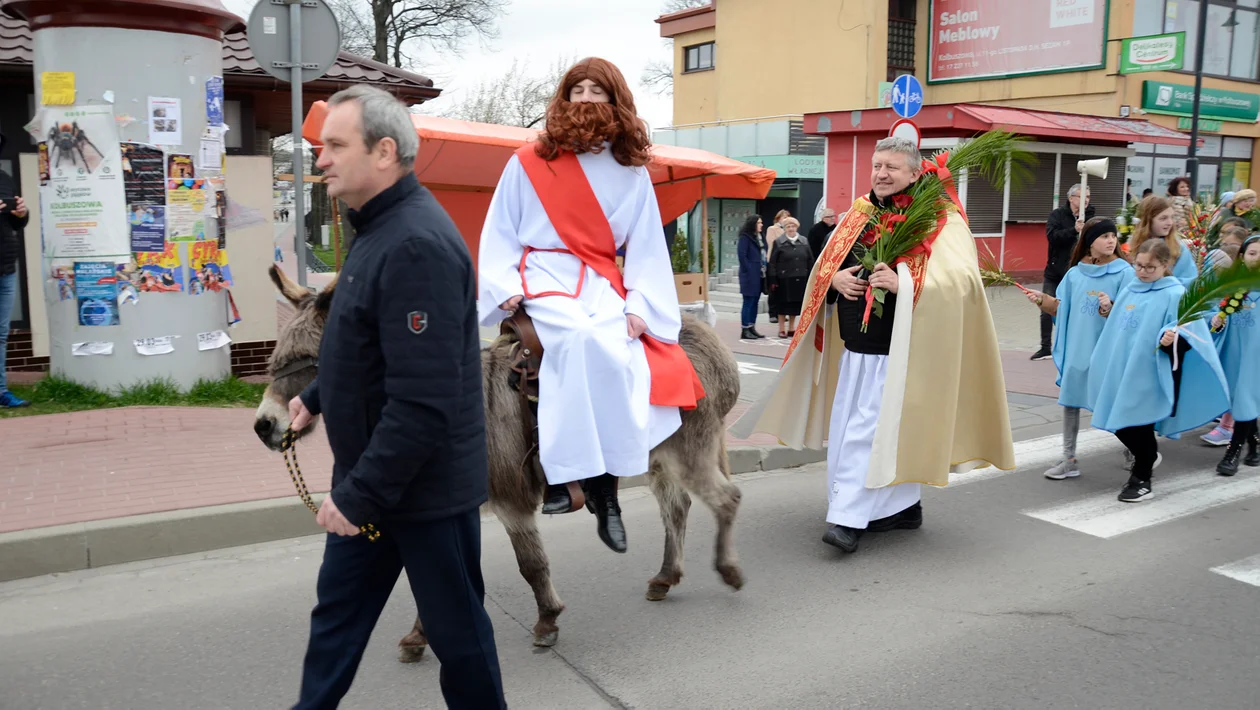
{"points": [[578, 218]]}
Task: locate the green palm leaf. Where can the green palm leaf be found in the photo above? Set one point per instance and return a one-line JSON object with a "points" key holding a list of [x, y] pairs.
{"points": [[995, 156], [1206, 291]]}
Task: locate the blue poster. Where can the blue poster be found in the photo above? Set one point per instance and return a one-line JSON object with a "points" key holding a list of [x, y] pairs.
{"points": [[214, 101], [148, 227], [96, 288]]}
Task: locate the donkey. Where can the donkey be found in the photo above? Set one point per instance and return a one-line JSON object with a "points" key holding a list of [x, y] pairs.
{"points": [[693, 460]]}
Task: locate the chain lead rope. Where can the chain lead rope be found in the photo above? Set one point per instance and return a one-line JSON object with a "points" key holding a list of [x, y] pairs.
{"points": [[295, 473]]}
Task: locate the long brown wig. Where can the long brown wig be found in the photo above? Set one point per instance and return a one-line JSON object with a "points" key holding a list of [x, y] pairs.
{"points": [[583, 127]]}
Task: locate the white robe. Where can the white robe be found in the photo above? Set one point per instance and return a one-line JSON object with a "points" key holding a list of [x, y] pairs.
{"points": [[593, 412]]}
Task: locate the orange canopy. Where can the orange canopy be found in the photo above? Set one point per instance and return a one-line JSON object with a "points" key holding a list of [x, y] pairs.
{"points": [[461, 161]]}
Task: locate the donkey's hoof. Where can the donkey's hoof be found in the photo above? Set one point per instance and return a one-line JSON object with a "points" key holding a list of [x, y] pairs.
{"points": [[732, 575], [657, 592], [410, 654], [546, 639]]}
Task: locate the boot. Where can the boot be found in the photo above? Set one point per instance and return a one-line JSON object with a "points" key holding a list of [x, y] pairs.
{"points": [[1229, 465], [748, 334], [1253, 454], [562, 499], [601, 500]]}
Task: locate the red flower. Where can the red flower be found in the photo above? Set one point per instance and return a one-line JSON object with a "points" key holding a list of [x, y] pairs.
{"points": [[888, 220], [902, 201]]}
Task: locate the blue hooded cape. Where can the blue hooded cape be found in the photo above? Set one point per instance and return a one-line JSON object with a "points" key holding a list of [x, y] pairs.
{"points": [[1130, 377], [1239, 346], [1078, 325], [1185, 270]]}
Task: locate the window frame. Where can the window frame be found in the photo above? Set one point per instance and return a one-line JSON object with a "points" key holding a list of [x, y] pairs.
{"points": [[688, 69], [1231, 5]]}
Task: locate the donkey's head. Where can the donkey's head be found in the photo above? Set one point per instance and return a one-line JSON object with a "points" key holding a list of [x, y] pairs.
{"points": [[295, 359]]}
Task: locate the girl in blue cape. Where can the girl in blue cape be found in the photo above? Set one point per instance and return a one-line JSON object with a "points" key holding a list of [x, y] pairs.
{"points": [[1228, 248], [1157, 220], [1238, 342], [1095, 275], [1143, 361]]}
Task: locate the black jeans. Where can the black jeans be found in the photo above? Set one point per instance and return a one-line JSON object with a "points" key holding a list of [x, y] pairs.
{"points": [[1049, 288], [1242, 432], [443, 563], [1140, 441]]}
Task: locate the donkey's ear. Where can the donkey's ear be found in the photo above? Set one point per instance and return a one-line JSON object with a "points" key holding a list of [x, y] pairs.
{"points": [[286, 287], [323, 301]]}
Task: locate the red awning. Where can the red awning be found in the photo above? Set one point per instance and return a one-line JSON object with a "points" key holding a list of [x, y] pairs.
{"points": [[974, 118]]}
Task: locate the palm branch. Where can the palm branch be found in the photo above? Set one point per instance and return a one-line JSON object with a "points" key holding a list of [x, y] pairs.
{"points": [[996, 156], [1206, 291]]}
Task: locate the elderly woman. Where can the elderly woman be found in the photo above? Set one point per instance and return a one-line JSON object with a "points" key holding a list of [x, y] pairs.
{"points": [[788, 270]]}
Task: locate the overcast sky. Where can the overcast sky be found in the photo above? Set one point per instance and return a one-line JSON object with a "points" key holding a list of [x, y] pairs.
{"points": [[541, 31]]}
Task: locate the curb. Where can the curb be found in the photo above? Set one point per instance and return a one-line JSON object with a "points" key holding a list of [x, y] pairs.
{"points": [[80, 546]]}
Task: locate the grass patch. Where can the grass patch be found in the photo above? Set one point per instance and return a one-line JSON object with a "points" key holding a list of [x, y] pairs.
{"points": [[54, 395], [327, 255]]}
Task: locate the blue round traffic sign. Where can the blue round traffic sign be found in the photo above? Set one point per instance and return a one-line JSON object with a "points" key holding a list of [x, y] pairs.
{"points": [[907, 96]]}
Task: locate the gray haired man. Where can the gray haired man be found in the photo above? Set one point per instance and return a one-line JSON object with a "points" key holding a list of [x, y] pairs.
{"points": [[1063, 228]]}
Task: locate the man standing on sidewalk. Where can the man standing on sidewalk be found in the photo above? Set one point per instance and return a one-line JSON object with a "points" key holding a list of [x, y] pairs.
{"points": [[819, 232], [1063, 228], [13, 218], [399, 386]]}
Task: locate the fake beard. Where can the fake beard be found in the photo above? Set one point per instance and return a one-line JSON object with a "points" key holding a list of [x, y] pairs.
{"points": [[583, 126]]}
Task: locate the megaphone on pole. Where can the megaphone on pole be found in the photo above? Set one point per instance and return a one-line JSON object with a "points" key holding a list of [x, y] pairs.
{"points": [[1096, 168]]}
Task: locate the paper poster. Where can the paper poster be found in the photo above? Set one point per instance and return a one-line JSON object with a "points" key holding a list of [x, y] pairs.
{"points": [[159, 272], [213, 340], [214, 101], [218, 210], [42, 149], [96, 288], [208, 268], [165, 124], [210, 155], [179, 166], [64, 278], [83, 206], [92, 348], [156, 346], [144, 179], [185, 210], [56, 88]]}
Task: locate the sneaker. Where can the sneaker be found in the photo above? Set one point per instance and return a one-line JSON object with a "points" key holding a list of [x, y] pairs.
{"points": [[8, 400], [1219, 436], [1135, 491], [1064, 469], [1042, 354]]}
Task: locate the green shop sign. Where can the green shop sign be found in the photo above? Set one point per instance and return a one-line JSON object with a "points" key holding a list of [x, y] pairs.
{"points": [[1154, 53], [1178, 100], [810, 167], [1205, 124]]}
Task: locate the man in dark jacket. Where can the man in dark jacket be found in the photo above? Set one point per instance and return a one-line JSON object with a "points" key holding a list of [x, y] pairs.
{"points": [[399, 387], [819, 233], [13, 218], [1063, 228]]}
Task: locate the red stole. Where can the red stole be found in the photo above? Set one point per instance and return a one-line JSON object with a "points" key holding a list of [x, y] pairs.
{"points": [[578, 218]]}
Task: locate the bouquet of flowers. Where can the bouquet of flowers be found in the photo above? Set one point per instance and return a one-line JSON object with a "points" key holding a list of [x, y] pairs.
{"points": [[907, 228], [1127, 220], [1196, 232]]}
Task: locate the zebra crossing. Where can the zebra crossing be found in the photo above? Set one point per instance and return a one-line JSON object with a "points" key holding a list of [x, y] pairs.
{"points": [[1180, 491]]}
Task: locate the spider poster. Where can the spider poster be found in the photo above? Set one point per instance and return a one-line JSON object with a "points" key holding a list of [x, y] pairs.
{"points": [[83, 206]]}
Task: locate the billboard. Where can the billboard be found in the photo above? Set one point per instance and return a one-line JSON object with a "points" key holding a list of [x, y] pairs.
{"points": [[969, 40]]}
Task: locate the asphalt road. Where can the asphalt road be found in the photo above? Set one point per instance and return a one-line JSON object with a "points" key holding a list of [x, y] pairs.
{"points": [[1017, 593]]}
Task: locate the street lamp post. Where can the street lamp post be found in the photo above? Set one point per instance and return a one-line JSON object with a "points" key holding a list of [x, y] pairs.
{"points": [[1192, 161]]}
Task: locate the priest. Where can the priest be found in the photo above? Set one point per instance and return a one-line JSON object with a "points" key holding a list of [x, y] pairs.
{"points": [[904, 397]]}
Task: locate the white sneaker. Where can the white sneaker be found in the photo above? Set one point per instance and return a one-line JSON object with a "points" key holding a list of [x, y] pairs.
{"points": [[1064, 469]]}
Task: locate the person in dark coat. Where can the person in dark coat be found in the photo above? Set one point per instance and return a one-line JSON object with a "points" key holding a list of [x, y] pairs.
{"points": [[13, 219], [788, 270], [1063, 228], [752, 274], [399, 387], [819, 233]]}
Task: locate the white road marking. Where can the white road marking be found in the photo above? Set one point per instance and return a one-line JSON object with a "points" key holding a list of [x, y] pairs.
{"points": [[1246, 571], [747, 368], [1034, 456], [1101, 515]]}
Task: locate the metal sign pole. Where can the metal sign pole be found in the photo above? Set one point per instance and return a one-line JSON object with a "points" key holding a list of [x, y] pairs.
{"points": [[295, 93]]}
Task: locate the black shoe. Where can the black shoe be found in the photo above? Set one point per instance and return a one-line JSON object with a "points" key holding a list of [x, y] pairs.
{"points": [[909, 519], [1135, 491], [601, 499], [1253, 451], [557, 500], [748, 334], [1229, 465], [844, 538], [1042, 354], [756, 335]]}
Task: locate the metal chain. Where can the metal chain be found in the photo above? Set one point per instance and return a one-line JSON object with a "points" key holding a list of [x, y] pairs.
{"points": [[295, 472]]}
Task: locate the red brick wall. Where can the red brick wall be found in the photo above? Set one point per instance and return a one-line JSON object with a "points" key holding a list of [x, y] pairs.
{"points": [[20, 356], [251, 358]]}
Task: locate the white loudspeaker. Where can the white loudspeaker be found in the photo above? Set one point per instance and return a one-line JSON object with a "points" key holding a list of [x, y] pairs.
{"points": [[1093, 168]]}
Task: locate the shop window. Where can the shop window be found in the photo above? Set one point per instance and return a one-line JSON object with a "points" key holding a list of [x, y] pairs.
{"points": [[699, 57], [1035, 201], [984, 206], [1231, 34], [1244, 61]]}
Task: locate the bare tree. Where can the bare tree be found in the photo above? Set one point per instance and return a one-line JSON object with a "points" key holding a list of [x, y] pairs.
{"points": [[394, 31], [515, 98], [658, 75]]}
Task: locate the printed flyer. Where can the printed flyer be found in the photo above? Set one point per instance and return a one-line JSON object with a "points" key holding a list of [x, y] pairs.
{"points": [[180, 166], [83, 206], [185, 210], [208, 266], [96, 288], [165, 125], [159, 272]]}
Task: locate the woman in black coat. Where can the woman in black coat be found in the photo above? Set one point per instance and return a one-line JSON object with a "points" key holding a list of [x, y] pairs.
{"points": [[788, 270], [752, 269]]}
